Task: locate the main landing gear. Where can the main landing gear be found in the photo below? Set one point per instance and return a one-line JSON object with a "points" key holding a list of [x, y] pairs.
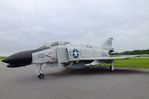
{"points": [[112, 66]]}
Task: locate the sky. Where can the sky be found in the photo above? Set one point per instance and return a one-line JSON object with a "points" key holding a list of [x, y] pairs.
{"points": [[28, 24]]}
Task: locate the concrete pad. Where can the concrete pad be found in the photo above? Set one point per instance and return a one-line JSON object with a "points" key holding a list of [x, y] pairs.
{"points": [[60, 83]]}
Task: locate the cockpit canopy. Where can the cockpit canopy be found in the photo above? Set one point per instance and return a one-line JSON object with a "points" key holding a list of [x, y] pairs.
{"points": [[49, 45]]}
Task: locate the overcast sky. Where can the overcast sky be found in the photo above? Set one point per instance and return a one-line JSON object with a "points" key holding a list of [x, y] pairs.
{"points": [[27, 24]]}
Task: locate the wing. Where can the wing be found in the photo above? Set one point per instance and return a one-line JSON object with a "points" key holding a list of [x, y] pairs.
{"points": [[110, 58]]}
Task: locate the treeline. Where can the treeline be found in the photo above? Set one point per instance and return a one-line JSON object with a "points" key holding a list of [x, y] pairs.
{"points": [[134, 52]]}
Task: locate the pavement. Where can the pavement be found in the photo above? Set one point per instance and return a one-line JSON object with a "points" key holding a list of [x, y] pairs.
{"points": [[61, 83]]}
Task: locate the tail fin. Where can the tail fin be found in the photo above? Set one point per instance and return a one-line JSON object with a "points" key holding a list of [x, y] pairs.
{"points": [[107, 45]]}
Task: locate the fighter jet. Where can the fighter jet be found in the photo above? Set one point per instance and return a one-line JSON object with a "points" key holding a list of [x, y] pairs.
{"points": [[65, 54]]}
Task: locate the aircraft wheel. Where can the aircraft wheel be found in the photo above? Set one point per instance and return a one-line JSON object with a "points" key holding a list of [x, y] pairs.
{"points": [[41, 76]]}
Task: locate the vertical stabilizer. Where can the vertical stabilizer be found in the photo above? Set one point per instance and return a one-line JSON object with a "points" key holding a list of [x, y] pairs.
{"points": [[107, 45]]}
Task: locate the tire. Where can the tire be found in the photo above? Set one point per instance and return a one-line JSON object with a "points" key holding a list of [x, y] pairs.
{"points": [[41, 76]]}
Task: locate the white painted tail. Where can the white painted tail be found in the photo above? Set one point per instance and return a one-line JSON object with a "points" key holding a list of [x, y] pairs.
{"points": [[107, 45]]}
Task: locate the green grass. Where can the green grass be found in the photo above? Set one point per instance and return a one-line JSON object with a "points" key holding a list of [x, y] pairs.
{"points": [[2, 57], [130, 63], [133, 63]]}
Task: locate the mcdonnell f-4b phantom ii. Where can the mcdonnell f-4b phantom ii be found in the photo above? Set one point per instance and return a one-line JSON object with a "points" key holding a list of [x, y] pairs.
{"points": [[65, 54]]}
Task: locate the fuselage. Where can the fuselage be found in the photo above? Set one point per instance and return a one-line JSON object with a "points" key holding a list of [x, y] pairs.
{"points": [[55, 53]]}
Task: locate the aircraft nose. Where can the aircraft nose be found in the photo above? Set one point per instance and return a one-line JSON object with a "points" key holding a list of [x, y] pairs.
{"points": [[19, 59]]}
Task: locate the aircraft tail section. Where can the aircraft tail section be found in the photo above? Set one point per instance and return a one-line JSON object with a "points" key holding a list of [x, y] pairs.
{"points": [[107, 45]]}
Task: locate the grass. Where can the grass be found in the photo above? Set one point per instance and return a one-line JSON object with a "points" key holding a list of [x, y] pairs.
{"points": [[141, 62], [133, 63], [2, 57]]}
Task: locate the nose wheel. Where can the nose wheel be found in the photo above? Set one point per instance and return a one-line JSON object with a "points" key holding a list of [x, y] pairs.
{"points": [[41, 76]]}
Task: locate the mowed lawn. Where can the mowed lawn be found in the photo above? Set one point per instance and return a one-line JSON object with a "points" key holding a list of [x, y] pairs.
{"points": [[133, 63], [2, 57]]}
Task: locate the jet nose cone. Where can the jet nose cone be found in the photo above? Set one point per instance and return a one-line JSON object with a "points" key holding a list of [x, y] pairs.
{"points": [[19, 59]]}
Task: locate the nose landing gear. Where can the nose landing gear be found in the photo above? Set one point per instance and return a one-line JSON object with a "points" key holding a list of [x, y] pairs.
{"points": [[39, 72]]}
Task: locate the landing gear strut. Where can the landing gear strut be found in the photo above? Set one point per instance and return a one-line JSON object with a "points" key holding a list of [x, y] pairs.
{"points": [[112, 67], [39, 72]]}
